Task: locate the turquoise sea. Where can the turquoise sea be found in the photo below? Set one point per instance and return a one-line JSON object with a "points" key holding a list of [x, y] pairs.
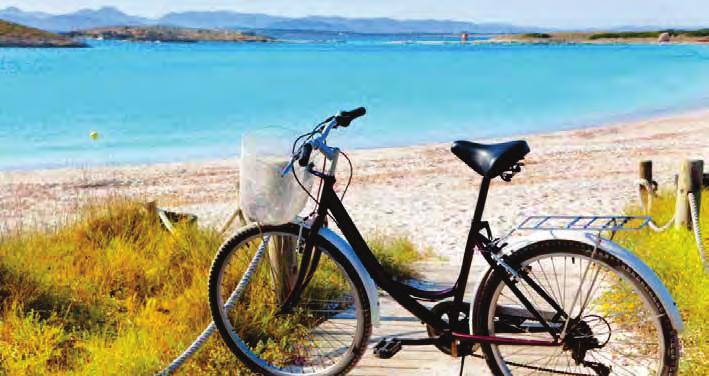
{"points": [[171, 102]]}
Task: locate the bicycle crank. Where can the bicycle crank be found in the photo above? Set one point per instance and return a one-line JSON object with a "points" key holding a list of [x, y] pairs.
{"points": [[455, 349]]}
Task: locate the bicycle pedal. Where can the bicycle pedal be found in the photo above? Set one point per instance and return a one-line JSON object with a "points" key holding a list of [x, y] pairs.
{"points": [[387, 348]]}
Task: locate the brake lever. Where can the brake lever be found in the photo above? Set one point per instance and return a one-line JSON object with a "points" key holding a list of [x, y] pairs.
{"points": [[288, 168]]}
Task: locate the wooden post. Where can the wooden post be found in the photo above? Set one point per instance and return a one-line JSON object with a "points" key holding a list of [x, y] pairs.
{"points": [[238, 214], [689, 180], [645, 174], [282, 254], [282, 257]]}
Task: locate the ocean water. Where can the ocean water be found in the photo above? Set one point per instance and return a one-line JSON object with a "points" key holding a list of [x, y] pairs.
{"points": [[171, 102]]}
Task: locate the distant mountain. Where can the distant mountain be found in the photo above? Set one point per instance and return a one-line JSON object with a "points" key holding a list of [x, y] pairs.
{"points": [[109, 16], [83, 19], [391, 26], [220, 19], [224, 19]]}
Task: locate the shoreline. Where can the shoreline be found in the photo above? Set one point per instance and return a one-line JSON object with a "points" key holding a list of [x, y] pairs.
{"points": [[700, 107], [600, 42], [421, 191]]}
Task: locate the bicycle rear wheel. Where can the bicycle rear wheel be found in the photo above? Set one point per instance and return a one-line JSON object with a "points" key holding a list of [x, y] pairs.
{"points": [[615, 325], [324, 332]]}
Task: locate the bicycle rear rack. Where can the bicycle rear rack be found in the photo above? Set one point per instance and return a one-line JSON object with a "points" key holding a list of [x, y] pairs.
{"points": [[610, 223]]}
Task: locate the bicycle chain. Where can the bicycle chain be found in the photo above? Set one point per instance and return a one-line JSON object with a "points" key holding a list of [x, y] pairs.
{"points": [[534, 367]]}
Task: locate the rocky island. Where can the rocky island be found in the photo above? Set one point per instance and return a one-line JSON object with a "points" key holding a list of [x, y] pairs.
{"points": [[14, 35], [700, 36], [167, 34]]}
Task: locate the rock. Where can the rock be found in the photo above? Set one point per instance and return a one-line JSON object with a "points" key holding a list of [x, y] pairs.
{"points": [[664, 38]]}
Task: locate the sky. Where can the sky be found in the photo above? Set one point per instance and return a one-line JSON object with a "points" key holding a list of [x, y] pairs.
{"points": [[549, 13]]}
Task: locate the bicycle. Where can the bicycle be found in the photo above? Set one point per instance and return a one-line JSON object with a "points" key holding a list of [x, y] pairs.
{"points": [[548, 305]]}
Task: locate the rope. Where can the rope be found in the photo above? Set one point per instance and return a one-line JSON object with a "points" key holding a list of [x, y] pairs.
{"points": [[231, 302], [694, 212], [651, 192]]}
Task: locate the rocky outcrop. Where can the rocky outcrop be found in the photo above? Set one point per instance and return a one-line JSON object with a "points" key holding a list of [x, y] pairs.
{"points": [[664, 37], [167, 34], [15, 35]]}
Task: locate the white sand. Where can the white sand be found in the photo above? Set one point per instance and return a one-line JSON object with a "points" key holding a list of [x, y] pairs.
{"points": [[423, 192]]}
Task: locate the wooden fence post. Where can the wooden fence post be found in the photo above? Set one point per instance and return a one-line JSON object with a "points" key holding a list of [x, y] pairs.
{"points": [[282, 257], [645, 174], [282, 254], [689, 180]]}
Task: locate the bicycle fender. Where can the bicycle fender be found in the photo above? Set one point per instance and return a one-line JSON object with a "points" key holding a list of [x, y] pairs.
{"points": [[625, 255], [346, 249]]}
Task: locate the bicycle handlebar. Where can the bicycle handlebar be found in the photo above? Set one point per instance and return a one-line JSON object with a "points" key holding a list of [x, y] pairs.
{"points": [[343, 119], [304, 158]]}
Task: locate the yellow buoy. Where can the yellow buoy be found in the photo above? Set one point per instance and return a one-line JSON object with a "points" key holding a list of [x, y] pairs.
{"points": [[94, 135]]}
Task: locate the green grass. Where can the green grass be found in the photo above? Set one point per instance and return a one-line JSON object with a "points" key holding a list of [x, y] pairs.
{"points": [[674, 257], [397, 254], [113, 294]]}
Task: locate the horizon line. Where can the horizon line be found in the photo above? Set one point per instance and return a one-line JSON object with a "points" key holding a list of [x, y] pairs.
{"points": [[498, 22]]}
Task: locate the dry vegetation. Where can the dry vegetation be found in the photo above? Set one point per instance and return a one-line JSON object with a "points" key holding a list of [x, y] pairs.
{"points": [[676, 36], [14, 35], [113, 293], [167, 34], [674, 257]]}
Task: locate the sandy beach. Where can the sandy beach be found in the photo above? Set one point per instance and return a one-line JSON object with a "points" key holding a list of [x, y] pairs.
{"points": [[423, 192]]}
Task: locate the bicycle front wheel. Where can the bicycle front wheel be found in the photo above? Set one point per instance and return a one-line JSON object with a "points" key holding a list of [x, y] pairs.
{"points": [[614, 324], [272, 326]]}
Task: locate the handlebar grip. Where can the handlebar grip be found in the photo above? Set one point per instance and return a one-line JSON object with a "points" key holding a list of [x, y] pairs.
{"points": [[357, 112], [344, 118], [305, 155]]}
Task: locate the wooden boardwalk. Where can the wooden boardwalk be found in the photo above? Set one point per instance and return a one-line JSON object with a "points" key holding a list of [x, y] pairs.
{"points": [[415, 360]]}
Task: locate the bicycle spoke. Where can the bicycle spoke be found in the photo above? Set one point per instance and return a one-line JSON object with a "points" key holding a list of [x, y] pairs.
{"points": [[578, 285], [313, 335]]}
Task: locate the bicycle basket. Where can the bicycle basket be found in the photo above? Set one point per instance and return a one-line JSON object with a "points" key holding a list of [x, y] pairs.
{"points": [[265, 196]]}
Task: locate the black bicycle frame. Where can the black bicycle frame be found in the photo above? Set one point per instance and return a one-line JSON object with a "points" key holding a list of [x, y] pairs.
{"points": [[408, 296]]}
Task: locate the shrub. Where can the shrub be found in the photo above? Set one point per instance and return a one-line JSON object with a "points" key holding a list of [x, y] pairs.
{"points": [[674, 257], [696, 33], [537, 35], [625, 35]]}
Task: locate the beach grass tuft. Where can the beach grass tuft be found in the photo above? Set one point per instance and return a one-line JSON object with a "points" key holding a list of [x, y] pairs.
{"points": [[113, 293], [673, 255]]}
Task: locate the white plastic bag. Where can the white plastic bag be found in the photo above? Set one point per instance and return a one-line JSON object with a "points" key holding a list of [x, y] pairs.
{"points": [[265, 196]]}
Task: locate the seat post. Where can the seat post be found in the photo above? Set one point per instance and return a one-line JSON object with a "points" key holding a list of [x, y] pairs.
{"points": [[482, 198], [462, 281]]}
